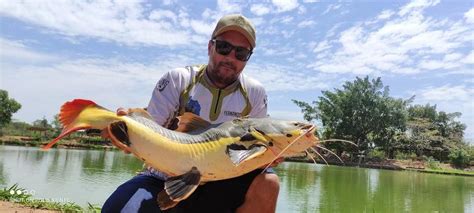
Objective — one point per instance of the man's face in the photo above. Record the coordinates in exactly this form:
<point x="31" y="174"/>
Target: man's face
<point x="223" y="70"/>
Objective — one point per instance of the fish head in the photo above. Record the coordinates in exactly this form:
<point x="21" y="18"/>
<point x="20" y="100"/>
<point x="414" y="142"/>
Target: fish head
<point x="292" y="137"/>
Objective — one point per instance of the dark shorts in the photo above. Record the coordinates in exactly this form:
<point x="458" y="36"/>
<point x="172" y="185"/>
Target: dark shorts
<point x="139" y="195"/>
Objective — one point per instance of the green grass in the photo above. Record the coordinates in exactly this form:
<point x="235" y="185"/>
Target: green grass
<point x="450" y="172"/>
<point x="17" y="195"/>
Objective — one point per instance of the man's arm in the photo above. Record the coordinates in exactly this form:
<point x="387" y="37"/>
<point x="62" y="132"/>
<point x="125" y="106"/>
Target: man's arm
<point x="164" y="102"/>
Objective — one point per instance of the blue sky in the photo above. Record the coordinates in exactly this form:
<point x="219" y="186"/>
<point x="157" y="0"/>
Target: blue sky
<point x="114" y="52"/>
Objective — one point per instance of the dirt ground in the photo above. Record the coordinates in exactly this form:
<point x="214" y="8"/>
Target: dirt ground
<point x="13" y="207"/>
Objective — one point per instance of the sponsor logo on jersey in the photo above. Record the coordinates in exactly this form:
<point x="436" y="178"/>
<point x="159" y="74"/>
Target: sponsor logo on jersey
<point x="193" y="106"/>
<point x="162" y="84"/>
<point x="234" y="114"/>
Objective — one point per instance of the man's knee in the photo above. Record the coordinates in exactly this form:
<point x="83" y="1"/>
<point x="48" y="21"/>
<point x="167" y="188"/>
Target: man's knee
<point x="268" y="182"/>
<point x="262" y="194"/>
<point x="266" y="186"/>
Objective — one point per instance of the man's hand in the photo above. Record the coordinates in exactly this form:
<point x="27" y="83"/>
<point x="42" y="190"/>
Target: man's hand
<point x="105" y="133"/>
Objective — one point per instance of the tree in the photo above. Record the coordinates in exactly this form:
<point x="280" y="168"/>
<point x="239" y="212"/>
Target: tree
<point x="362" y="112"/>
<point x="433" y="133"/>
<point x="8" y="106"/>
<point x="42" y="123"/>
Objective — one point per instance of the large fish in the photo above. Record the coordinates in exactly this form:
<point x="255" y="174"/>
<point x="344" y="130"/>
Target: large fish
<point x="204" y="153"/>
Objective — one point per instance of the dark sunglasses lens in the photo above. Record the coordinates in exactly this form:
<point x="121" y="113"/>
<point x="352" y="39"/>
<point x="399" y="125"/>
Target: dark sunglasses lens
<point x="242" y="53"/>
<point x="223" y="47"/>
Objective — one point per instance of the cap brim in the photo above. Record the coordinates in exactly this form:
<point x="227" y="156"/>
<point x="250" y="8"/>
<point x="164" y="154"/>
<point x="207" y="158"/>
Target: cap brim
<point x="238" y="29"/>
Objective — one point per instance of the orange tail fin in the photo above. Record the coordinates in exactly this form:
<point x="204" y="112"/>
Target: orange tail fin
<point x="68" y="114"/>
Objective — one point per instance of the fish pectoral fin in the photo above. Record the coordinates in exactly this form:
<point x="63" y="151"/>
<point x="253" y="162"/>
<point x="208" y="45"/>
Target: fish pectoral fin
<point x="259" y="135"/>
<point x="238" y="155"/>
<point x="190" y="122"/>
<point x="178" y="188"/>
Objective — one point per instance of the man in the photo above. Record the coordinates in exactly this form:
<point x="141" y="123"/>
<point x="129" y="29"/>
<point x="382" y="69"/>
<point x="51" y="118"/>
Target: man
<point x="217" y="92"/>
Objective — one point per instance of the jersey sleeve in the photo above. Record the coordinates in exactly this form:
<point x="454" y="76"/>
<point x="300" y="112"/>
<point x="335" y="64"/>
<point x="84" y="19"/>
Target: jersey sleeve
<point x="164" y="102"/>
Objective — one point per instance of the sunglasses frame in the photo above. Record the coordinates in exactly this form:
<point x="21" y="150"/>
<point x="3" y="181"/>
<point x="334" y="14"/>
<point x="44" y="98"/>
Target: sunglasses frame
<point x="232" y="47"/>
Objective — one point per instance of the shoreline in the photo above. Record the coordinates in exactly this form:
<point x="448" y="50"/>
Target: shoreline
<point x="69" y="144"/>
<point x="392" y="164"/>
<point x="9" y="206"/>
<point x="387" y="164"/>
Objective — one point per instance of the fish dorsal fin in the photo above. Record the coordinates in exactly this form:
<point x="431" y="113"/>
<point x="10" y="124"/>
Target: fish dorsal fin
<point x="71" y="109"/>
<point x="190" y="122"/>
<point x="239" y="154"/>
<point x="178" y="188"/>
<point x="139" y="112"/>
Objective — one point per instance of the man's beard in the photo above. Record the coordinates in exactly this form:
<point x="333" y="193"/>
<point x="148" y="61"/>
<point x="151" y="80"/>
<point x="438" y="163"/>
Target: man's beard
<point x="221" y="76"/>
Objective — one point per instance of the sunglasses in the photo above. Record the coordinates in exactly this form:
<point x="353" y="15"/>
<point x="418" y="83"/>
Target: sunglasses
<point x="224" y="48"/>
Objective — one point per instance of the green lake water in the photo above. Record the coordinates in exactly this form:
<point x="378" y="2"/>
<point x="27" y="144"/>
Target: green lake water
<point x="84" y="176"/>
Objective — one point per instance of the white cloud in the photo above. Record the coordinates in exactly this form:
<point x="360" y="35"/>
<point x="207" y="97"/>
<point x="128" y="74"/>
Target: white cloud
<point x="306" y="23"/>
<point x="125" y="22"/>
<point x="113" y="83"/>
<point x="324" y="45"/>
<point x="169" y="2"/>
<point x="385" y="14"/>
<point x="259" y="9"/>
<point x="203" y="28"/>
<point x="227" y="6"/>
<point x="469" y="15"/>
<point x="469" y="59"/>
<point x="283" y="78"/>
<point x="417" y="6"/>
<point x="285" y="5"/>
<point x="163" y="14"/>
<point x="286" y="19"/>
<point x="17" y="52"/>
<point x="331" y="7"/>
<point x="448" y="93"/>
<point x="409" y="44"/>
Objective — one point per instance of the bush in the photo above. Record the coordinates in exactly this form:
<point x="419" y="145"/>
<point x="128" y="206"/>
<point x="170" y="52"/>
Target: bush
<point x="460" y="158"/>
<point x="377" y="155"/>
<point x="432" y="163"/>
<point x="405" y="156"/>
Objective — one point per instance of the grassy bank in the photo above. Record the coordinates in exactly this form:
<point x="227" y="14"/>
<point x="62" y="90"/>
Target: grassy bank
<point x="392" y="164"/>
<point x="73" y="143"/>
<point x="15" y="194"/>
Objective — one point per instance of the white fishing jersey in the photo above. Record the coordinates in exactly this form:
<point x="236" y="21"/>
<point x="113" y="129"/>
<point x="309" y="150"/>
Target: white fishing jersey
<point x="189" y="89"/>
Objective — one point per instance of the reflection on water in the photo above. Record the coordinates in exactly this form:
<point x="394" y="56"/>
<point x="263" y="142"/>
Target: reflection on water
<point x="66" y="175"/>
<point x="317" y="188"/>
<point x="90" y="176"/>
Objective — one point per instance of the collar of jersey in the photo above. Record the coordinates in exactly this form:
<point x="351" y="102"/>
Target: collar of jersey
<point x="206" y="81"/>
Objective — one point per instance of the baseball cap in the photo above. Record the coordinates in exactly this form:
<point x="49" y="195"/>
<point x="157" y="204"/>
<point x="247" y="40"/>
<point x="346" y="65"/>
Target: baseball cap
<point x="237" y="23"/>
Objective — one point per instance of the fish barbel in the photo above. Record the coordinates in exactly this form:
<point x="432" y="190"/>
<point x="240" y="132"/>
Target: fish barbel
<point x="204" y="153"/>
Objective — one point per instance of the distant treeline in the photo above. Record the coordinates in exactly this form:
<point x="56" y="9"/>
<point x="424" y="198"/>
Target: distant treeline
<point x="383" y="127"/>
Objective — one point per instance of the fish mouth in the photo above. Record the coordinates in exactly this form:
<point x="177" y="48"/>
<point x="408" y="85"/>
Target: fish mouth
<point x="310" y="129"/>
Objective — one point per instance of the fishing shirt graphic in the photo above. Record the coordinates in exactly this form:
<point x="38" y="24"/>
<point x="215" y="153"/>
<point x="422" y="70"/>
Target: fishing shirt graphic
<point x="162" y="84"/>
<point x="193" y="106"/>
